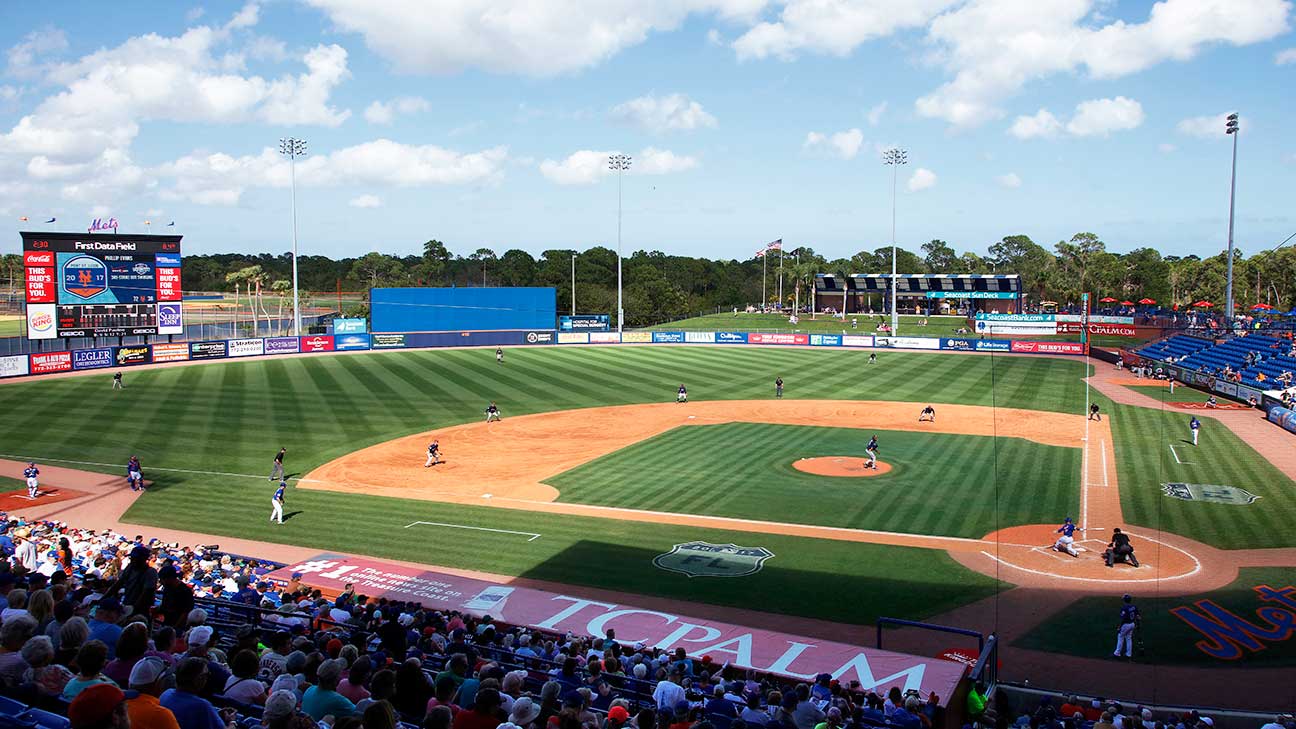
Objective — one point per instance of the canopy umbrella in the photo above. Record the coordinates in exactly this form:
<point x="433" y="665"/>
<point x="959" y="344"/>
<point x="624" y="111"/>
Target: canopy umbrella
<point x="1261" y="307"/>
<point x="1106" y="300"/>
<point x="1203" y="304"/>
<point x="1146" y="301"/>
<point x="1127" y="303"/>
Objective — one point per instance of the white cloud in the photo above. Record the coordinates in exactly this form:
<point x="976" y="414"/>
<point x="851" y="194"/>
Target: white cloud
<point x="1010" y="181"/>
<point x="659" y="114"/>
<point x="193" y="14"/>
<point x="366" y="201"/>
<point x="874" y="114"/>
<point x="1041" y="124"/>
<point x="1286" y="56"/>
<point x="1096" y="117"/>
<point x="1104" y="116"/>
<point x="221" y="179"/>
<point x="385" y="112"/>
<point x="922" y="179"/>
<point x="246" y="17"/>
<point x="24" y="58"/>
<point x="100" y="211"/>
<point x="836" y="27"/>
<point x="714" y="38"/>
<point x="1166" y="148"/>
<point x="514" y="36"/>
<point x="994" y="47"/>
<point x="1207" y="127"/>
<point x="589" y="166"/>
<point x="844" y="144"/>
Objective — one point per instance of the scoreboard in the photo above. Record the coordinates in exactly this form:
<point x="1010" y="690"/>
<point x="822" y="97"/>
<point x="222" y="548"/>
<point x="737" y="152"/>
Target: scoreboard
<point x="97" y="285"/>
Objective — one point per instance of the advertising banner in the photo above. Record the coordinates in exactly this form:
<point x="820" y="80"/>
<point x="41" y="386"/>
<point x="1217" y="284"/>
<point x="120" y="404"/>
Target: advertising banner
<point x="349" y="326"/>
<point x="127" y="356"/>
<point x="51" y="362"/>
<point x="1094" y="319"/>
<point x="176" y="352"/>
<point x="15" y="366"/>
<point x="1246" y="393"/>
<point x="584" y="323"/>
<point x="169" y="319"/>
<point x="282" y="345"/>
<point x="1024" y="328"/>
<point x="1048" y="347"/>
<point x="907" y="342"/>
<point x="92" y="359"/>
<point x="857" y="340"/>
<point x="759" y="338"/>
<point x="317" y="343"/>
<point x="377" y="341"/>
<point x="1117" y="330"/>
<point x="246" y="347"/>
<point x="700" y="337"/>
<point x="993" y="345"/>
<point x="576" y="337"/>
<point x="604" y="338"/>
<point x="971" y="295"/>
<point x="667" y="337"/>
<point x="168" y="279"/>
<point x="539" y="338"/>
<point x="40" y="321"/>
<point x="964" y="345"/>
<point x="350" y="341"/>
<point x="635" y="337"/>
<point x="40" y="280"/>
<point x="731" y="337"/>
<point x="825" y="340"/>
<point x="208" y="350"/>
<point x="1282" y="417"/>
<point x="1225" y="387"/>
<point x="1018" y="318"/>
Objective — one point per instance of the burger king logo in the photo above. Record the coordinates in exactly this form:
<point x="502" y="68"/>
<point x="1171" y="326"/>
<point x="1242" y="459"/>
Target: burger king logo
<point x="41" y="322"/>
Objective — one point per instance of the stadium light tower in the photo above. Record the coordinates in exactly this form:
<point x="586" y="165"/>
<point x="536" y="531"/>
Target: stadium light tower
<point x="894" y="157"/>
<point x="292" y="148"/>
<point x="619" y="163"/>
<point x="1231" y="128"/>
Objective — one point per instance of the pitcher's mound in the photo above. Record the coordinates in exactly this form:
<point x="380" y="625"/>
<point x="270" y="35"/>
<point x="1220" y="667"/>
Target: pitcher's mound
<point x="839" y="466"/>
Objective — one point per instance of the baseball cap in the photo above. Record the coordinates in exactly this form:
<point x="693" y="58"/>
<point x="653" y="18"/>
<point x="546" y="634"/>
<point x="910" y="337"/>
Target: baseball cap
<point x="281" y="703"/>
<point x="147" y="670"/>
<point x="110" y="604"/>
<point x="168" y="571"/>
<point x="94" y="705"/>
<point x="200" y="635"/>
<point x="284" y="682"/>
<point x="619" y="713"/>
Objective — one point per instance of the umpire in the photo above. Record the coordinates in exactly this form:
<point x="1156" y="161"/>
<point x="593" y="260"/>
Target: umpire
<point x="1119" y="549"/>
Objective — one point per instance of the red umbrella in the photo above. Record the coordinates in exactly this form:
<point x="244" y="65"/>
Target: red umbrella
<point x="1127" y="303"/>
<point x="1106" y="300"/>
<point x="1262" y="306"/>
<point x="1203" y="304"/>
<point x="1147" y="301"/>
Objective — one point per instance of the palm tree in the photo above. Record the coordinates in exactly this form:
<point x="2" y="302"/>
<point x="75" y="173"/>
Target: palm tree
<point x="281" y="289"/>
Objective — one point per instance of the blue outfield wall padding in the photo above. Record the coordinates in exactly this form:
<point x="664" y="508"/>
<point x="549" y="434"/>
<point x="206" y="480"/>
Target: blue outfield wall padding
<point x="462" y="309"/>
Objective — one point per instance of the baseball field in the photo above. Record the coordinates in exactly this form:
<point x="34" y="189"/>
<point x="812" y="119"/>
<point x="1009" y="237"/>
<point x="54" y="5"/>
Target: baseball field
<point x="595" y="459"/>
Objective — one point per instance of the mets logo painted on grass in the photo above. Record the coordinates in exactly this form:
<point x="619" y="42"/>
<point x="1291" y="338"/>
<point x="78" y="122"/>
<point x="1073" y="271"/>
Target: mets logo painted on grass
<point x="1211" y="493"/>
<point x="703" y="559"/>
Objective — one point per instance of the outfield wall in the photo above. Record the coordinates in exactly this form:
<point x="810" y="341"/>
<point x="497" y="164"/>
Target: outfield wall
<point x="454" y="310"/>
<point x="43" y="363"/>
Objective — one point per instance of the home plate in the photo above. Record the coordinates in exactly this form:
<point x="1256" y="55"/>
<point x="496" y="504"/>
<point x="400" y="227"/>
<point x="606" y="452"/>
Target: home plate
<point x="486" y="496"/>
<point x="691" y="417"/>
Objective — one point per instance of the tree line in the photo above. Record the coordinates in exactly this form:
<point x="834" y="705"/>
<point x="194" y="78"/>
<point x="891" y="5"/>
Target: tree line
<point x="660" y="287"/>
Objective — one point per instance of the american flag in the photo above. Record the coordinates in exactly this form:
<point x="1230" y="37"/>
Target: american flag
<point x="775" y="246"/>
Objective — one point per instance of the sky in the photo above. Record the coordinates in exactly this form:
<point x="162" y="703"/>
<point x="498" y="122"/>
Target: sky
<point x="488" y="123"/>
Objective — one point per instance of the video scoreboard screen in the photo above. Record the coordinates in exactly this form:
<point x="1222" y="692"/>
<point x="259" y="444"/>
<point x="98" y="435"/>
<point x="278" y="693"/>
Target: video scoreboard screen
<point x="94" y="285"/>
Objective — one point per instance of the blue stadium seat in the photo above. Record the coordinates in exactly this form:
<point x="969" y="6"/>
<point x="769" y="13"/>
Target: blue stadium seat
<point x="48" y="720"/>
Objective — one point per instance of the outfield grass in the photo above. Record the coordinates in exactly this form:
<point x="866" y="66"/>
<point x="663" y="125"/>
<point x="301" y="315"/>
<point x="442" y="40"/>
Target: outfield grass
<point x="949" y="485"/>
<point x="1166" y="638"/>
<point x="12" y="484"/>
<point x="12" y="326"/>
<point x="1162" y="393"/>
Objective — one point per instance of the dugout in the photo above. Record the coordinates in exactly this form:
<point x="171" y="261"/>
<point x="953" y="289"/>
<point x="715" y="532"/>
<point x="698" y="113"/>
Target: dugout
<point x="462" y="309"/>
<point x="919" y="293"/>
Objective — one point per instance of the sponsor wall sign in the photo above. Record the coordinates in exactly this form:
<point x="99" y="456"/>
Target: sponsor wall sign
<point x="759" y="338"/>
<point x="351" y="341"/>
<point x="584" y="323"/>
<point x="539" y="337"/>
<point x="1048" y="347"/>
<point x="93" y="359"/>
<point x="133" y="355"/>
<point x="908" y="342"/>
<point x="51" y="362"/>
<point x="825" y="340"/>
<point x="169" y="319"/>
<point x="731" y="337"/>
<point x="246" y="347"/>
<point x="208" y="350"/>
<point x="40" y="321"/>
<point x="1095" y="319"/>
<point x="577" y="337"/>
<point x="1019" y="318"/>
<point x="14" y="366"/>
<point x="634" y="337"/>
<point x="699" y="337"/>
<point x="971" y="295"/>
<point x="992" y="345"/>
<point x="604" y="338"/>
<point x="283" y="345"/>
<point x="177" y="352"/>
<point x="317" y="343"/>
<point x="857" y="340"/>
<point x="964" y="345"/>
<point x="1116" y="330"/>
<point x="385" y="341"/>
<point x="668" y="337"/>
<point x="349" y="326"/>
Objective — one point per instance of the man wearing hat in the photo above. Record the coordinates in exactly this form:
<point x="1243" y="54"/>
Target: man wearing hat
<point x="146" y="679"/>
<point x="191" y="710"/>
<point x="103" y="626"/>
<point x="199" y="641"/>
<point x="102" y="706"/>
<point x="138" y="582"/>
<point x="280" y="709"/>
<point x="177" y="597"/>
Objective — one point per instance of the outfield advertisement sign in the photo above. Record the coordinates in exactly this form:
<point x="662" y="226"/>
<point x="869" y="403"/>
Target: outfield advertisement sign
<point x="759" y="338"/>
<point x="177" y="352"/>
<point x="1095" y="319"/>
<point x="208" y="350"/>
<point x="907" y="342"/>
<point x="668" y="337"/>
<point x="536" y="338"/>
<point x="576" y="337"/>
<point x="745" y="648"/>
<point x="15" y="366"/>
<point x="993" y="345"/>
<point x="731" y="337"/>
<point x="282" y="345"/>
<point x="1114" y="330"/>
<point x="825" y="340"/>
<point x="138" y="355"/>
<point x="349" y="326"/>
<point x="1048" y="347"/>
<point x="1026" y="324"/>
<point x="961" y="345"/>
<point x="857" y="340"/>
<point x="1225" y="387"/>
<point x="584" y="323"/>
<point x="317" y="343"/>
<point x="344" y="342"/>
<point x="47" y="362"/>
<point x="246" y="347"/>
<point x="635" y="337"/>
<point x="94" y="359"/>
<point x="700" y="337"/>
<point x="387" y="341"/>
<point x="604" y="338"/>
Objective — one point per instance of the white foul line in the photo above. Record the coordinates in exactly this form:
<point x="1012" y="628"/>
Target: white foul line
<point x="1102" y="449"/>
<point x="1176" y="457"/>
<point x="533" y="535"/>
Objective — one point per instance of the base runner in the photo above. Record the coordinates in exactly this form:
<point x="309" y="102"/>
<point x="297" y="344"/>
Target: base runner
<point x="277" y="502"/>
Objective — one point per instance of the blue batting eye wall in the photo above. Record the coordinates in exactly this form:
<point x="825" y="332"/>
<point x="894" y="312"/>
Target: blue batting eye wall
<point x="462" y="309"/>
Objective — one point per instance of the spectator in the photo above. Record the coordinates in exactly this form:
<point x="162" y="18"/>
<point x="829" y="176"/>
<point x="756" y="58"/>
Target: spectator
<point x="100" y="707"/>
<point x="131" y="646"/>
<point x="806" y="715"/>
<point x="669" y="692"/>
<point x="137" y="583"/>
<point x="484" y="714"/>
<point x="976" y="703"/>
<point x="199" y="646"/>
<point x="146" y="679"/>
<point x="412" y="689"/>
<point x="752" y="714"/>
<point x="525" y="712"/>
<point x="177" y="598"/>
<point x="47" y="677"/>
<point x="719" y="706"/>
<point x="90" y="661"/>
<point x="63" y="610"/>
<point x="382" y="687"/>
<point x="103" y="624"/>
<point x="74" y="633"/>
<point x="353" y="686"/>
<point x="438" y="718"/>
<point x="244" y="685"/>
<point x="832" y="719"/>
<point x="14" y="633"/>
<point x="280" y="710"/>
<point x="17" y="605"/>
<point x="40" y="604"/>
<point x="190" y="709"/>
<point x="380" y="715"/>
<point x="322" y="699"/>
<point x="275" y="660"/>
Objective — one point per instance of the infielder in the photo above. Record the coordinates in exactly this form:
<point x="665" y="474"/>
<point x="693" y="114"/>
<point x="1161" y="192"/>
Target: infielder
<point x="277" y="502"/>
<point x="778" y="387"/>
<point x="499" y="355"/>
<point x="32" y="473"/>
<point x="277" y="471"/>
<point x="1194" y="425"/>
<point x="1066" y="542"/>
<point x="492" y="412"/>
<point x="681" y="395"/>
<point x="134" y="477"/>
<point x="928" y="414"/>
<point x="1129" y="620"/>
<point x="434" y="454"/>
<point x="871" y="449"/>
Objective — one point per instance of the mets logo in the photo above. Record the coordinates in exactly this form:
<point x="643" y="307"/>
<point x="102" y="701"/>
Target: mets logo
<point x="1211" y="493"/>
<point x="703" y="559"/>
<point x="85" y="277"/>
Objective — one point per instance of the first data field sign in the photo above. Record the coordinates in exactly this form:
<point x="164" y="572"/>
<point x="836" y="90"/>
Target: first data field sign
<point x="703" y="559"/>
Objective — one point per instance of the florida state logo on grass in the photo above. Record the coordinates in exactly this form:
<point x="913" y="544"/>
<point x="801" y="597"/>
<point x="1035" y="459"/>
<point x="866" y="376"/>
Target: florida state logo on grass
<point x="703" y="559"/>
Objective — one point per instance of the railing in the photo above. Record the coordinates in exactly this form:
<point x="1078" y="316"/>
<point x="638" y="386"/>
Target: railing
<point x="901" y="623"/>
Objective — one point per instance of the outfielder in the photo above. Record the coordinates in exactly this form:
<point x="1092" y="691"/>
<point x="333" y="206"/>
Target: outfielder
<point x="871" y="449"/>
<point x="499" y="355"/>
<point x="277" y="502"/>
<point x="492" y="412"/>
<point x="778" y="387"/>
<point x="682" y="394"/>
<point x="1194" y="425"/>
<point x="928" y="414"/>
<point x="32" y="474"/>
<point x="1066" y="542"/>
<point x="434" y="454"/>
<point x="872" y="358"/>
<point x="277" y="471"/>
<point x="117" y="381"/>
<point x="134" y="477"/>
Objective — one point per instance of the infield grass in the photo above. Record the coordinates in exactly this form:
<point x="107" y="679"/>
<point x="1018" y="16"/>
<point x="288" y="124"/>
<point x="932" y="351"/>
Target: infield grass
<point x="942" y="484"/>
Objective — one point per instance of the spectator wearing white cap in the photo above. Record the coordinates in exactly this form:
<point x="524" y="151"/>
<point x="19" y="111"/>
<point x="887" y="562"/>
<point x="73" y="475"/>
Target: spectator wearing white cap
<point x="199" y="640"/>
<point x="147" y="679"/>
<point x="280" y="709"/>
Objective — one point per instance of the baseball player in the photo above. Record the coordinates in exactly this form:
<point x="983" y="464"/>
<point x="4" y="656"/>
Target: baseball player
<point x="1093" y="412"/>
<point x="1129" y="621"/>
<point x="871" y="449"/>
<point x="681" y="395"/>
<point x="1211" y="402"/>
<point x="277" y="471"/>
<point x="134" y="477"/>
<point x="928" y="414"/>
<point x="778" y="387"/>
<point x="277" y="502"/>
<point x="1194" y="425"/>
<point x="872" y="358"/>
<point x="117" y="382"/>
<point x="1066" y="542"/>
<point x="32" y="473"/>
<point x="492" y="412"/>
<point x="434" y="454"/>
<point x="499" y="355"/>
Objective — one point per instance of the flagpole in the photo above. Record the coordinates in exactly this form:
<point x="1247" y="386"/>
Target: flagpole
<point x="764" y="299"/>
<point x="780" y="286"/>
